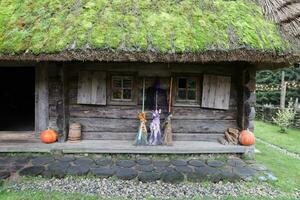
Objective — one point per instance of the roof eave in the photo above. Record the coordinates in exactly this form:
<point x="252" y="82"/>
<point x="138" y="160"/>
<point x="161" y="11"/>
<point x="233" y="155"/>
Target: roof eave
<point x="262" y="60"/>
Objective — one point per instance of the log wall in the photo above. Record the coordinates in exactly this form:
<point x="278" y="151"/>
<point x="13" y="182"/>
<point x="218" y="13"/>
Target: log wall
<point x="120" y="122"/>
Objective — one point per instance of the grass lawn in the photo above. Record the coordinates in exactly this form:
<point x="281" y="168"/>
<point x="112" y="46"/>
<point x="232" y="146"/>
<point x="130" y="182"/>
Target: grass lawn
<point x="38" y="195"/>
<point x="285" y="168"/>
<point x="270" y="133"/>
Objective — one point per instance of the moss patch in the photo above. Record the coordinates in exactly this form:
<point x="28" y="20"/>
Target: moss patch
<point x="49" y="26"/>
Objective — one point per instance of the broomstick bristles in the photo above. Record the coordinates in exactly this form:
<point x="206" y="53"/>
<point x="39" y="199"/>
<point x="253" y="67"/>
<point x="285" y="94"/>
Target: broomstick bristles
<point x="168" y="135"/>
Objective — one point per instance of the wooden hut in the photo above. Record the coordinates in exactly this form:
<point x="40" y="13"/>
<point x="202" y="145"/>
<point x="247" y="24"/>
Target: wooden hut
<point x="84" y="61"/>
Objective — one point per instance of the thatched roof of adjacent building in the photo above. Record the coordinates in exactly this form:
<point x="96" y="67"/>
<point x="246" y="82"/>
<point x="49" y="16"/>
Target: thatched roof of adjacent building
<point x="257" y="31"/>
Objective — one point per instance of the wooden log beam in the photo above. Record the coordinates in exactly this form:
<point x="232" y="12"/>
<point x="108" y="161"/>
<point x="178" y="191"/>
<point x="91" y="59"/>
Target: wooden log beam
<point x="249" y="98"/>
<point x="131" y="135"/>
<point x="59" y="100"/>
<point x="62" y="106"/>
<point x="41" y="98"/>
<point x="131" y="125"/>
<point x="130" y="112"/>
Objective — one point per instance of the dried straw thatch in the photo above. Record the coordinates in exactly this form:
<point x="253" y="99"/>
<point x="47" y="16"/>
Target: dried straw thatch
<point x="284" y="12"/>
<point x="151" y="30"/>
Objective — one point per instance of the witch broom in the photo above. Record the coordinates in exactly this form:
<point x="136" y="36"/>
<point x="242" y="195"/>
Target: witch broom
<point x="141" y="137"/>
<point x="155" y="131"/>
<point x="168" y="135"/>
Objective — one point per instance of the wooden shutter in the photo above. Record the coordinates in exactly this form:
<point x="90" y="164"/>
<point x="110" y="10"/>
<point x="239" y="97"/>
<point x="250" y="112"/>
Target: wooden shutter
<point x="92" y="88"/>
<point x="216" y="92"/>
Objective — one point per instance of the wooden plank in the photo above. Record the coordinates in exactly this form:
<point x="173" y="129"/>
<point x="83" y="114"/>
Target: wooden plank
<point x="196" y="126"/>
<point x="98" y="91"/>
<point x="84" y="87"/>
<point x="17" y="136"/>
<point x="131" y="136"/>
<point x="222" y="101"/>
<point x="118" y="146"/>
<point x="202" y="113"/>
<point x="131" y="125"/>
<point x="130" y="112"/>
<point x="112" y="112"/>
<point x="216" y="92"/>
<point x="91" y="88"/>
<point x="41" y="98"/>
<point x="107" y="125"/>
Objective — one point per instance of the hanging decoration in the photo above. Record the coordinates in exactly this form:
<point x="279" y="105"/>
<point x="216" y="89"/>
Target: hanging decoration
<point x="155" y="135"/>
<point x="142" y="135"/>
<point x="168" y="135"/>
<point x="277" y="87"/>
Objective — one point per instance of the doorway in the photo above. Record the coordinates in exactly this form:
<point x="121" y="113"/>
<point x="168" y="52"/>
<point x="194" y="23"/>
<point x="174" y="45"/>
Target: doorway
<point x="17" y="98"/>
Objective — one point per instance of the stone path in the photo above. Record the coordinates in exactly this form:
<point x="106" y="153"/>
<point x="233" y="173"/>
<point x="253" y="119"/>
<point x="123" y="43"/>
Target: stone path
<point x="285" y="151"/>
<point x="143" y="169"/>
<point x="135" y="190"/>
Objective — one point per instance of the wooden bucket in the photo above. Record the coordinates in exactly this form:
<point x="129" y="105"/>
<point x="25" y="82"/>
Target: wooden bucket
<point x="75" y="132"/>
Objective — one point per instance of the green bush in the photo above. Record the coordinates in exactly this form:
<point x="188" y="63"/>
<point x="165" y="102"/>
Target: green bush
<point x="284" y="117"/>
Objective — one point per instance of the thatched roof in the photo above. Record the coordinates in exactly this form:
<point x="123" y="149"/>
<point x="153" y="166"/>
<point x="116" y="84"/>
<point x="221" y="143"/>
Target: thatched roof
<point x="286" y="13"/>
<point x="263" y="31"/>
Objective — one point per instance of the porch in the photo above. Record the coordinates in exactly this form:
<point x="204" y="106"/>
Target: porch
<point x="27" y="143"/>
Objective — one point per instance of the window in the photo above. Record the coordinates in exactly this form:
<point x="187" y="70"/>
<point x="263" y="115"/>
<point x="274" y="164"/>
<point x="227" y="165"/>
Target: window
<point x="187" y="91"/>
<point x="122" y="88"/>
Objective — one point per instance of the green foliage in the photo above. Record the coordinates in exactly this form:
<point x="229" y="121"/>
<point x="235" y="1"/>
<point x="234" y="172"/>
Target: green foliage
<point x="49" y="26"/>
<point x="270" y="77"/>
<point x="284" y="117"/>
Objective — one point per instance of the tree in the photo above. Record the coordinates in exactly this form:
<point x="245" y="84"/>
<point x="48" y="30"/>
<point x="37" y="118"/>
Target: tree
<point x="273" y="77"/>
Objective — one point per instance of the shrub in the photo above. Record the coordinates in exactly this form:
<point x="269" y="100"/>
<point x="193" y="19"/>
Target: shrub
<point x="284" y="117"/>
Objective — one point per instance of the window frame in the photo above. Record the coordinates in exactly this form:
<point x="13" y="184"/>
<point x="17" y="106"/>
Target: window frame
<point x="111" y="100"/>
<point x="186" y="102"/>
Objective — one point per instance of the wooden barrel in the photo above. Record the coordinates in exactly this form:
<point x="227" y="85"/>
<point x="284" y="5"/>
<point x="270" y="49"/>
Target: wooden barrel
<point x="74" y="132"/>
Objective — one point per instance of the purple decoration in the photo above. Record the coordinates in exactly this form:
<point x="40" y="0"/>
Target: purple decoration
<point x="155" y="132"/>
<point x="157" y="85"/>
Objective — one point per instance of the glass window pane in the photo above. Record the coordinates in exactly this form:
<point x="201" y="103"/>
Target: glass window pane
<point x="117" y="82"/>
<point x="191" y="83"/>
<point x="127" y="94"/>
<point x="182" y="94"/>
<point x="127" y="83"/>
<point x="191" y="95"/>
<point x="117" y="94"/>
<point x="182" y="83"/>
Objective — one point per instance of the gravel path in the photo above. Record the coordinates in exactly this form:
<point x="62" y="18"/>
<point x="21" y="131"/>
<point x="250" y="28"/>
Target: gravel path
<point x="136" y="190"/>
<point x="285" y="151"/>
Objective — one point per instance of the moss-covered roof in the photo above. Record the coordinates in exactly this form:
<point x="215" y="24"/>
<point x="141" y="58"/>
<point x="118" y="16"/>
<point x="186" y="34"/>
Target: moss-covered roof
<point x="121" y="29"/>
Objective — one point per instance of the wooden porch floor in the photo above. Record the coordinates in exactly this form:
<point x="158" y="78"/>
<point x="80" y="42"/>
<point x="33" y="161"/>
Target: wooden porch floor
<point x="121" y="146"/>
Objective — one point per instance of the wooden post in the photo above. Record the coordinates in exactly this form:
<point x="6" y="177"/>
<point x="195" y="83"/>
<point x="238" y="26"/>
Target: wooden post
<point x="62" y="107"/>
<point x="296" y="104"/>
<point x="283" y="91"/>
<point x="247" y="100"/>
<point x="41" y="98"/>
<point x="250" y="102"/>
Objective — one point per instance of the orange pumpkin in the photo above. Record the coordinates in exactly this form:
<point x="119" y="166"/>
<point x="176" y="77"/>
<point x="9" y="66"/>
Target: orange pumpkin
<point x="48" y="136"/>
<point x="247" y="138"/>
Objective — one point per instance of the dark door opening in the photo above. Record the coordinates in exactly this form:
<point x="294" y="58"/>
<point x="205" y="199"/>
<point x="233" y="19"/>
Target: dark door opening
<point x="17" y="98"/>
